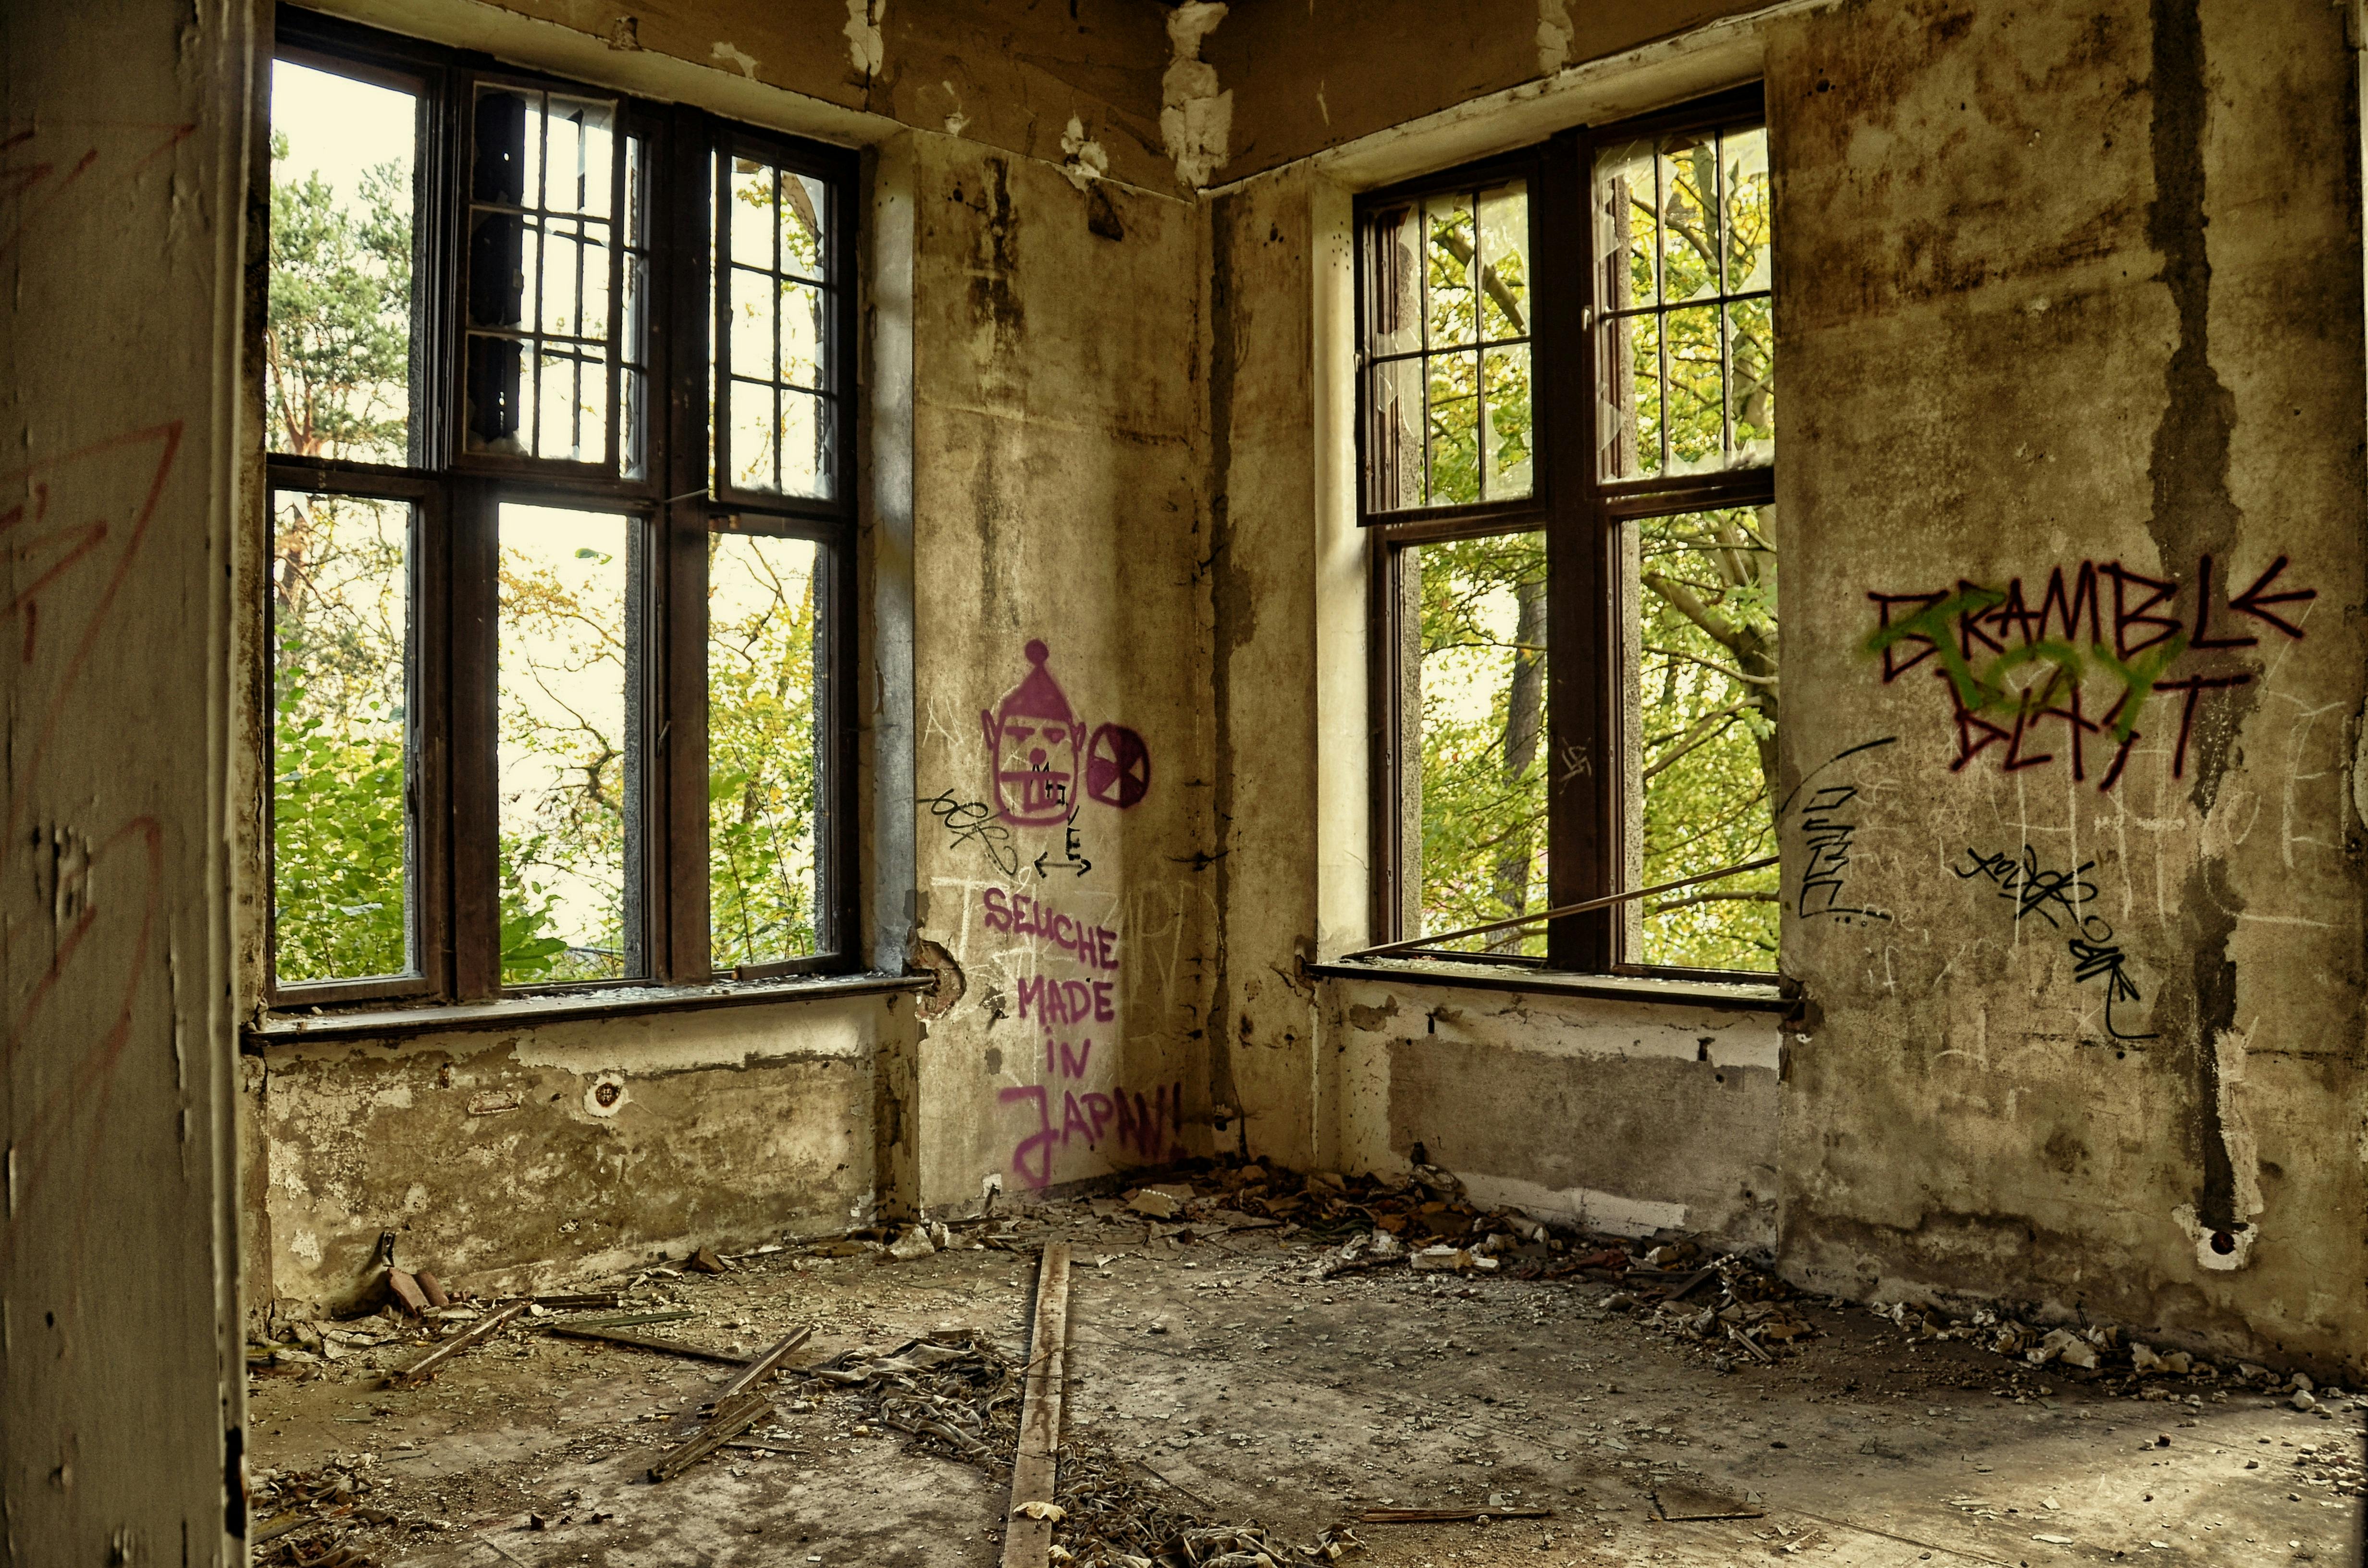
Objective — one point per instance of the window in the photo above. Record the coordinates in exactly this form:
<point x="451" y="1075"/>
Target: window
<point x="560" y="533"/>
<point x="1566" y="431"/>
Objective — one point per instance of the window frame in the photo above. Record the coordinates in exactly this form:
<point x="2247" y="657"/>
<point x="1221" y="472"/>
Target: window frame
<point x="1583" y="517"/>
<point x="457" y="494"/>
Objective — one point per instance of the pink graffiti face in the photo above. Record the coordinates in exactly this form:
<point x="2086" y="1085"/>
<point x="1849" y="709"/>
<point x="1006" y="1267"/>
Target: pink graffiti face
<point x="1036" y="741"/>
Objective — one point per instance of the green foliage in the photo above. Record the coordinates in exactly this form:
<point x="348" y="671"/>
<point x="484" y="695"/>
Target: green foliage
<point x="1483" y="784"/>
<point x="337" y="362"/>
<point x="760" y="749"/>
<point x="1704" y="748"/>
<point x="565" y="837"/>
<point x="1477" y="399"/>
<point x="337" y="847"/>
<point x="1707" y="697"/>
<point x="338" y="328"/>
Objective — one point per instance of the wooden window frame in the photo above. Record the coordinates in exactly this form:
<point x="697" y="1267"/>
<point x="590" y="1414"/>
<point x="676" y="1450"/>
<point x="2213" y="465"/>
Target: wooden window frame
<point x="456" y="497"/>
<point x="1582" y="516"/>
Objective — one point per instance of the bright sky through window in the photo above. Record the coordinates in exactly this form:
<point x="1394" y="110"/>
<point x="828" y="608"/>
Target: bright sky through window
<point x="337" y="127"/>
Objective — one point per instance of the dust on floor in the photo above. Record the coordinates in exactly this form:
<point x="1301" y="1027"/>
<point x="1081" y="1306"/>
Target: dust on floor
<point x="1226" y="1373"/>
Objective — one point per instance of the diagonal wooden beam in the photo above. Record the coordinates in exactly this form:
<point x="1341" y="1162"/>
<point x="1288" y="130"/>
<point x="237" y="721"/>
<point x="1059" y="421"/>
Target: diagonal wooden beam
<point x="484" y="1328"/>
<point x="1028" y="1543"/>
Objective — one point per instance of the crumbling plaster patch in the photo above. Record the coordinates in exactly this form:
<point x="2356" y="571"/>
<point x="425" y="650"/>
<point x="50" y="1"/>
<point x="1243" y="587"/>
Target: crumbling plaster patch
<point x="1196" y="117"/>
<point x="1082" y="158"/>
<point x="866" y="49"/>
<point x="745" y="62"/>
<point x="1553" y="36"/>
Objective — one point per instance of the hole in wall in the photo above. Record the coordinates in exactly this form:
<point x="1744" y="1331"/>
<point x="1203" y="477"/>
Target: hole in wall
<point x="2222" y="1243"/>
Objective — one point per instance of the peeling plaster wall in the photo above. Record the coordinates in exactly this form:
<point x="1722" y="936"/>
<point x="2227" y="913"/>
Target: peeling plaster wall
<point x="2058" y="287"/>
<point x="1062" y="719"/>
<point x="1005" y="75"/>
<point x="1627" y="1117"/>
<point x="523" y="1157"/>
<point x="121" y="1393"/>
<point x="1033" y="457"/>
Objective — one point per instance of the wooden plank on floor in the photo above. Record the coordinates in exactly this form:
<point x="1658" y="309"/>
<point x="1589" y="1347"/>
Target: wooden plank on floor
<point x="484" y="1328"/>
<point x="763" y="1366"/>
<point x="649" y="1342"/>
<point x="1028" y="1543"/>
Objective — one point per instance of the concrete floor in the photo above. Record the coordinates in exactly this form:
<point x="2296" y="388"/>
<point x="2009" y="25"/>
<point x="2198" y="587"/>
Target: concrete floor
<point x="1236" y="1375"/>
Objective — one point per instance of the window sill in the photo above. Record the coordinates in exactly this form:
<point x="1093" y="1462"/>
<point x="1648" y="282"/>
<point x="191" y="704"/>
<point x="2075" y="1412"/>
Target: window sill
<point x="1725" y="995"/>
<point x="525" y="1012"/>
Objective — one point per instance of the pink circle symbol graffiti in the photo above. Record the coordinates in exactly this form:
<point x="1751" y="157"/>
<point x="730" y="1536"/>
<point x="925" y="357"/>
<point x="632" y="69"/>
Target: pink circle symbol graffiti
<point x="1118" y="767"/>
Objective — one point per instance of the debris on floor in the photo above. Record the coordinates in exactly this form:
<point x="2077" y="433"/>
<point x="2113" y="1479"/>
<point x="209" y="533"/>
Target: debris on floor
<point x="1254" y="1370"/>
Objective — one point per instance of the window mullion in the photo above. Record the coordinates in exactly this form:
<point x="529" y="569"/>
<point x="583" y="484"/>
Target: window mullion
<point x="1585" y="848"/>
<point x="472" y="711"/>
<point x="681" y="234"/>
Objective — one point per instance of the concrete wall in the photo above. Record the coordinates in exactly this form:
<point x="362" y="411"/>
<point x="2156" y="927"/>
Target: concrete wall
<point x="520" y="1156"/>
<point x="1034" y="363"/>
<point x="2058" y="288"/>
<point x="1058" y="530"/>
<point x="120" y="233"/>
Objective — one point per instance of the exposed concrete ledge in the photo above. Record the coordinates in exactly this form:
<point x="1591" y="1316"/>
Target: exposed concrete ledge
<point x="525" y="1012"/>
<point x="1741" y="998"/>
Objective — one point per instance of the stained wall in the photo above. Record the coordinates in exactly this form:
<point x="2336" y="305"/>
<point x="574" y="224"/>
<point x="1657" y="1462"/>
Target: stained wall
<point x="2064" y="296"/>
<point x="121" y="225"/>
<point x="1035" y="829"/>
<point x="2079" y="292"/>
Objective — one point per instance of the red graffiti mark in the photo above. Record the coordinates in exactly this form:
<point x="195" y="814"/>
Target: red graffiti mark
<point x="168" y="439"/>
<point x="18" y="179"/>
<point x="1067" y="1001"/>
<point x="82" y="1079"/>
<point x="1038" y="755"/>
<point x="1118" y="767"/>
<point x="1063" y="1062"/>
<point x="1023" y="917"/>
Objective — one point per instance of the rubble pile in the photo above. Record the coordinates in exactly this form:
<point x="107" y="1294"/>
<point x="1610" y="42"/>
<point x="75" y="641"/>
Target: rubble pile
<point x="960" y="1400"/>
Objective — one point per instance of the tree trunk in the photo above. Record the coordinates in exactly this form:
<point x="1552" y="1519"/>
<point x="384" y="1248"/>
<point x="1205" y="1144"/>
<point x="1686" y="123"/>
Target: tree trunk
<point x="1524" y="719"/>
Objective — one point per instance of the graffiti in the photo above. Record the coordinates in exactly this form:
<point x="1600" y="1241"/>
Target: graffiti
<point x="1023" y="917"/>
<point x="1037" y="751"/>
<point x="1072" y="857"/>
<point x="972" y="822"/>
<point x="1828" y="835"/>
<point x="1066" y="1001"/>
<point x="1150" y="1128"/>
<point x="95" y="977"/>
<point x="1033" y="738"/>
<point x="2009" y="669"/>
<point x="2056" y="897"/>
<point x="1118" y="767"/>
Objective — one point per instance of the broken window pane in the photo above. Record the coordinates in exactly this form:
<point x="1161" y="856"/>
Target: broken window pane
<point x="1688" y="350"/>
<point x="764" y="748"/>
<point x="342" y="832"/>
<point x="1703" y="705"/>
<point x="1473" y="708"/>
<point x="1450" y="309"/>
<point x="633" y="354"/>
<point x="774" y="351"/>
<point x="340" y="362"/>
<point x="569" y="768"/>
<point x="542" y="266"/>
